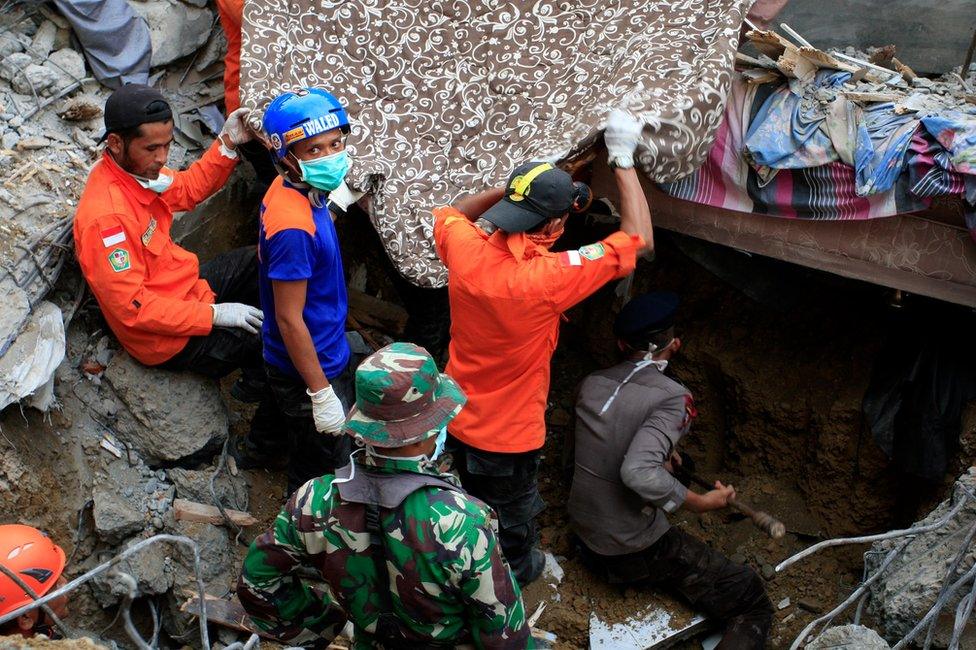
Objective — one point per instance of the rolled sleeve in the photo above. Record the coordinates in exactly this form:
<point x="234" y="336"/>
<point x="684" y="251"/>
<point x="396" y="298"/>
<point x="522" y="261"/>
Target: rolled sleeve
<point x="448" y="224"/>
<point x="577" y="274"/>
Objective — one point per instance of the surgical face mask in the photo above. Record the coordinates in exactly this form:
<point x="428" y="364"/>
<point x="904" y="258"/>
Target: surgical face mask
<point x="648" y="358"/>
<point x="439" y="444"/>
<point x="327" y="172"/>
<point x="158" y="185"/>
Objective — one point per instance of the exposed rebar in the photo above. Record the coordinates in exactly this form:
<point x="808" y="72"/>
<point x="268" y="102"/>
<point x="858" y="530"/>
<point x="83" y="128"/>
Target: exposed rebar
<point x="950" y="574"/>
<point x="132" y="592"/>
<point x="856" y="594"/>
<point x="867" y="539"/>
<point x="936" y="608"/>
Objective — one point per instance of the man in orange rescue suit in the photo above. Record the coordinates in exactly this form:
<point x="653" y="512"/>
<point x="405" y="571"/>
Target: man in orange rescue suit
<point x="163" y="306"/>
<point x="507" y="294"/>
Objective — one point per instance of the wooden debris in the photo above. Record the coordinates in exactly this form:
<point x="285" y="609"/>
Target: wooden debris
<point x="228" y="613"/>
<point x="191" y="511"/>
<point x="792" y="64"/>
<point x="374" y="312"/>
<point x="907" y="73"/>
<point x="765" y="62"/>
<point x="822" y="59"/>
<point x="756" y="76"/>
<point x="108" y="446"/>
<point x="869" y="98"/>
<point x="769" y="43"/>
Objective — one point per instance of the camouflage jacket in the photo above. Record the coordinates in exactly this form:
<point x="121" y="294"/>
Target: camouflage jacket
<point x="448" y="582"/>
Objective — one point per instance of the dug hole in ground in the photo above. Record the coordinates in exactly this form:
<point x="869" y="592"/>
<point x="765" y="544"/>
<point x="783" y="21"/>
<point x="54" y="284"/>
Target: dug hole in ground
<point x="778" y="359"/>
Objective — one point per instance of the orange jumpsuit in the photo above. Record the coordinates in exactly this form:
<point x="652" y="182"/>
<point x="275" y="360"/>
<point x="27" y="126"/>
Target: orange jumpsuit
<point x="148" y="288"/>
<point x="507" y="295"/>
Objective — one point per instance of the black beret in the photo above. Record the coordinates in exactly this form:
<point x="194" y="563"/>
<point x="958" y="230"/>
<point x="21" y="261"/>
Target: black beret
<point x="647" y="313"/>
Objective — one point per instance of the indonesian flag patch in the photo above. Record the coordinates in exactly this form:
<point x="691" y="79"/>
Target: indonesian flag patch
<point x="571" y="258"/>
<point x="112" y="236"/>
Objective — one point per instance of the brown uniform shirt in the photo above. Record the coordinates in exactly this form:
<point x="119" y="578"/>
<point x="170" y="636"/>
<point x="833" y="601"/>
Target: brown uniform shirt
<point x="620" y="458"/>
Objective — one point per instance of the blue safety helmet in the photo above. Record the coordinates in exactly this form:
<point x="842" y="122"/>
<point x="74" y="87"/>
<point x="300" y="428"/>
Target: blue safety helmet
<point x="302" y="114"/>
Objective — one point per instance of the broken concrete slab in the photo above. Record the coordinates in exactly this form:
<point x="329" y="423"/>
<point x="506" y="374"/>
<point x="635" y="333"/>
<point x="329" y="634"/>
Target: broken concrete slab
<point x="12" y="64"/>
<point x="43" y="41"/>
<point x="910" y="586"/>
<point x="152" y="568"/>
<point x="68" y="65"/>
<point x="34" y="79"/>
<point x="194" y="485"/>
<point x="175" y="29"/>
<point x="120" y="502"/>
<point x="166" y="416"/>
<point x="849" y="637"/>
<point x="11" y="43"/>
<point x="219" y="562"/>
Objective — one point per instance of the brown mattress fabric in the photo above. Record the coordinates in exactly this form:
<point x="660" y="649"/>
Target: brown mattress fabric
<point x="447" y="97"/>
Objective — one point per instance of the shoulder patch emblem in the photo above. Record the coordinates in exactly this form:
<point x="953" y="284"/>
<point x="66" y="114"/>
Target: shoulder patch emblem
<point x="150" y="231"/>
<point x="593" y="251"/>
<point x="119" y="259"/>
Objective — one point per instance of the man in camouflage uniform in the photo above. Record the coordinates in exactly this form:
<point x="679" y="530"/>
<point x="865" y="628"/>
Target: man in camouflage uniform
<point x="402" y="551"/>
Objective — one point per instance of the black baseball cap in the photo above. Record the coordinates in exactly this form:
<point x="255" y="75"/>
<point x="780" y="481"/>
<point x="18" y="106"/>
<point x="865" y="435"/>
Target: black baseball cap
<point x="536" y="192"/>
<point x="132" y="105"/>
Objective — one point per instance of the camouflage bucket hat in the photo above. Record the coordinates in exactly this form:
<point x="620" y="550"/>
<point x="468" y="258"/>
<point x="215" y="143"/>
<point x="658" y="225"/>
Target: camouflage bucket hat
<point x="401" y="397"/>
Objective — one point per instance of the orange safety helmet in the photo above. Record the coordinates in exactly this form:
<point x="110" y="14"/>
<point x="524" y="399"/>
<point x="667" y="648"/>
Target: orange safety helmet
<point x="32" y="555"/>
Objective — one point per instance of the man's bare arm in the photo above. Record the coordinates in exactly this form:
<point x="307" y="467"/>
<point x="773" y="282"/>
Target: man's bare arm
<point x="289" y="300"/>
<point x="635" y="213"/>
<point x="475" y="205"/>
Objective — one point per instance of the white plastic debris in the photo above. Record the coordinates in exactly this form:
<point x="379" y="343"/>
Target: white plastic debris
<point x="27" y="368"/>
<point x="650" y="629"/>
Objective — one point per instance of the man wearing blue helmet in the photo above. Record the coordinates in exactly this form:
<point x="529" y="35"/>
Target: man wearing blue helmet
<point x="302" y="285"/>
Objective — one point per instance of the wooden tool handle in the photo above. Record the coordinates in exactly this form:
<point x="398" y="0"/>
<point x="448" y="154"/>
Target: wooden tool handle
<point x="763" y="520"/>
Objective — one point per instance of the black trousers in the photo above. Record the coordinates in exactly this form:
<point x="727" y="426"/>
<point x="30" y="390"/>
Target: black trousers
<point x="310" y="453"/>
<point x="729" y="593"/>
<point x="509" y="484"/>
<point x="233" y="276"/>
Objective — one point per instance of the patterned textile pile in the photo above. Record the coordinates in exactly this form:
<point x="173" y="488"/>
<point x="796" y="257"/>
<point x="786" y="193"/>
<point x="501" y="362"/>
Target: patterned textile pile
<point x="447" y="97"/>
<point x="824" y="146"/>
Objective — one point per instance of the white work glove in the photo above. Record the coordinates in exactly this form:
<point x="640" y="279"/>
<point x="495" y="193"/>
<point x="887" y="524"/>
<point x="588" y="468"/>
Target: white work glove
<point x="621" y="136"/>
<point x="235" y="128"/>
<point x="342" y="197"/>
<point x="235" y="314"/>
<point x="327" y="411"/>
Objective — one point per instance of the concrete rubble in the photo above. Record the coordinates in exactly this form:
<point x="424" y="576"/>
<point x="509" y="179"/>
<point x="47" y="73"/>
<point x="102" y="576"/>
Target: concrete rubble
<point x="166" y="416"/>
<point x="849" y="637"/>
<point x="129" y="440"/>
<point x="50" y="121"/>
<point x="911" y="585"/>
